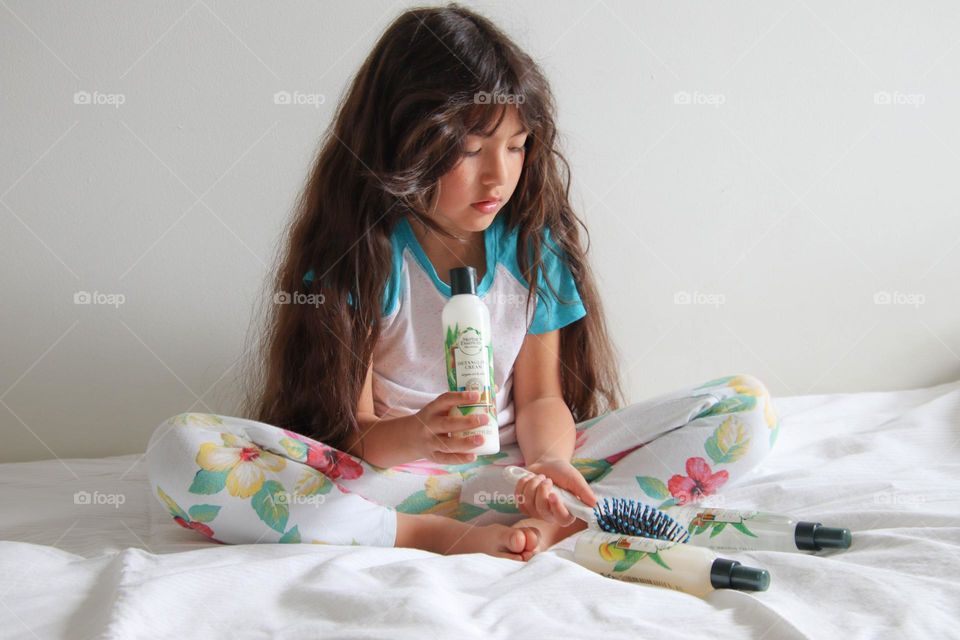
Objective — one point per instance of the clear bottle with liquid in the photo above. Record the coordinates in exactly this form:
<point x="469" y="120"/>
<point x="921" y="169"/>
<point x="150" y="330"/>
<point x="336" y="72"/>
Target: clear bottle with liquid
<point x="750" y="530"/>
<point x="468" y="355"/>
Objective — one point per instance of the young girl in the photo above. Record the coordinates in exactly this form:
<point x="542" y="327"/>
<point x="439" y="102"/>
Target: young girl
<point x="443" y="153"/>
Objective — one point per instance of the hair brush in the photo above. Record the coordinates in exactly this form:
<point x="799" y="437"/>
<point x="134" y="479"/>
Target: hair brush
<point x="617" y="515"/>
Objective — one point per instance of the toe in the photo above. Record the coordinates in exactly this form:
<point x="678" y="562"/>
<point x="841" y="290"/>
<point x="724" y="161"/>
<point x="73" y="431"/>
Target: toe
<point x="532" y="538"/>
<point x="516" y="540"/>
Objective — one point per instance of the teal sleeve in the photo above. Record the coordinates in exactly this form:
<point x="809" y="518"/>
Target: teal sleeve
<point x="391" y="293"/>
<point x="555" y="312"/>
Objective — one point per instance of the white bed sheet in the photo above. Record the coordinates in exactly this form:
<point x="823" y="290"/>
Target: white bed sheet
<point x="883" y="464"/>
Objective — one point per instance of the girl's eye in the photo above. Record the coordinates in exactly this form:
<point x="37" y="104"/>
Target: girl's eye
<point x="470" y="154"/>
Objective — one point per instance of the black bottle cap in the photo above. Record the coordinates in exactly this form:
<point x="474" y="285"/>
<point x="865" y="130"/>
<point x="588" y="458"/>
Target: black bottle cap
<point x="463" y="280"/>
<point x="812" y="536"/>
<point x="730" y="574"/>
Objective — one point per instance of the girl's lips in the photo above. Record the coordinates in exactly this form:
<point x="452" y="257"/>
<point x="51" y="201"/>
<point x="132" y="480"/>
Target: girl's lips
<point x="486" y="206"/>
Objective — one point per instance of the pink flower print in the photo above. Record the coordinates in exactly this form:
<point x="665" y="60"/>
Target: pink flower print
<point x="700" y="481"/>
<point x="329" y="461"/>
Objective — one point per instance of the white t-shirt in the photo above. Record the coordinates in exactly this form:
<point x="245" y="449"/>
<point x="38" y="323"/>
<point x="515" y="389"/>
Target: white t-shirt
<point x="408" y="360"/>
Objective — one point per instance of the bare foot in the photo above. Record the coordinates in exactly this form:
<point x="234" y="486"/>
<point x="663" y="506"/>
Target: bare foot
<point x="447" y="536"/>
<point x="550" y="533"/>
<point x="516" y="543"/>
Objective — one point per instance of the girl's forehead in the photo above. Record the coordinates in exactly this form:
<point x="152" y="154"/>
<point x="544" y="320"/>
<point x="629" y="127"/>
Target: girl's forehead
<point x="482" y="121"/>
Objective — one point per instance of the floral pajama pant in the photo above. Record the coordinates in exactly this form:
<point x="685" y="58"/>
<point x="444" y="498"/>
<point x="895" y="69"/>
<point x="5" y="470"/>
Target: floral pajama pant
<point x="240" y="481"/>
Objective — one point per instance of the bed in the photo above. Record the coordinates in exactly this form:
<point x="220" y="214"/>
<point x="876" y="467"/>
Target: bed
<point x="87" y="552"/>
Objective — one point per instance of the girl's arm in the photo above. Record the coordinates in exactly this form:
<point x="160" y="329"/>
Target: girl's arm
<point x="544" y="424"/>
<point x="381" y="441"/>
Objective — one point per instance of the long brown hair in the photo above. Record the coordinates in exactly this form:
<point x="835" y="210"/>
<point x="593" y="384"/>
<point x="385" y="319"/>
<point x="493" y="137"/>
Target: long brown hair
<point x="399" y="128"/>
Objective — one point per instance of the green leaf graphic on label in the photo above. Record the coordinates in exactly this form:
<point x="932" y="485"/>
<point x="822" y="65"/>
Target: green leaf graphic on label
<point x="653" y="487"/>
<point x="717" y="528"/>
<point x="742" y="528"/>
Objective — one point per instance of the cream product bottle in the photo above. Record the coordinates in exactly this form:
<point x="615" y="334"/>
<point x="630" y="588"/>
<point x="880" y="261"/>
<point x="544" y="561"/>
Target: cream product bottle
<point x="662" y="563"/>
<point x="468" y="353"/>
<point x="736" y="530"/>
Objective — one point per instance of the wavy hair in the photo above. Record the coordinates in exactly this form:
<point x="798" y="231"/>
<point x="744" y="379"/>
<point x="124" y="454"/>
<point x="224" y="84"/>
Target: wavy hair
<point x="400" y="127"/>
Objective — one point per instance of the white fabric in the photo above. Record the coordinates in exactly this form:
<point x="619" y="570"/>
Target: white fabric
<point x="883" y="464"/>
<point x="408" y="363"/>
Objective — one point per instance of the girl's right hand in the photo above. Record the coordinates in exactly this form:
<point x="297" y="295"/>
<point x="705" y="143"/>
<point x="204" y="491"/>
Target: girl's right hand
<point x="431" y="425"/>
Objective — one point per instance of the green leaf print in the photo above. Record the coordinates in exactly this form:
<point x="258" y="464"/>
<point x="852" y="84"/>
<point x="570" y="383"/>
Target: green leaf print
<point x="592" y="469"/>
<point x="466" y="511"/>
<point x="717" y="528"/>
<point x="417" y="503"/>
<point x="729" y="442"/>
<point x="732" y="404"/>
<point x="667" y="503"/>
<point x="172" y="506"/>
<point x="271" y="505"/>
<point x="207" y="482"/>
<point x="503" y="507"/>
<point x="291" y="537"/>
<point x="716" y="383"/>
<point x="653" y="487"/>
<point x="296" y="450"/>
<point x="204" y="512"/>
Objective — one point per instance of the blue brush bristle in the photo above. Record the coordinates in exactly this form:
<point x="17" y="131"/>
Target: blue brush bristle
<point x="632" y="518"/>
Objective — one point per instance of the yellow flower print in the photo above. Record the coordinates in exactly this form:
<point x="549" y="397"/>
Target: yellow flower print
<point x="445" y="487"/>
<point x="756" y="389"/>
<point x="311" y="482"/>
<point x="245" y="462"/>
<point x="197" y="420"/>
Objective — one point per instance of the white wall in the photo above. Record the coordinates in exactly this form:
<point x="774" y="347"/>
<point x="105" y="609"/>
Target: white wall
<point x="784" y="192"/>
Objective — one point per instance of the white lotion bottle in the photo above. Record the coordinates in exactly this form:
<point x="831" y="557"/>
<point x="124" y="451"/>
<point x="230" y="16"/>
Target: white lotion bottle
<point x="672" y="565"/>
<point x="468" y="354"/>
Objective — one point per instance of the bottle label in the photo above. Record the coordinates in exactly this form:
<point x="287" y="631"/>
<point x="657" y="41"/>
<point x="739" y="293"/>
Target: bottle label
<point x="470" y="368"/>
<point x="725" y="515"/>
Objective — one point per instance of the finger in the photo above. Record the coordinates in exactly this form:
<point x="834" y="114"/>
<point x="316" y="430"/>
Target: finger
<point x="456" y="444"/>
<point x="585" y="492"/>
<point x="543" y="495"/>
<point x="458" y="424"/>
<point x="530" y="494"/>
<point x="446" y="401"/>
<point x="560" y="510"/>
<point x="526" y="495"/>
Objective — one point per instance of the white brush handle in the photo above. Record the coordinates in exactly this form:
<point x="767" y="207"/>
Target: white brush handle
<point x="570" y="501"/>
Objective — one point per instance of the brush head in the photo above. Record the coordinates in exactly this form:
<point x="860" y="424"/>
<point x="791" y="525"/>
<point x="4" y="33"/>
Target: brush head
<point x="631" y="518"/>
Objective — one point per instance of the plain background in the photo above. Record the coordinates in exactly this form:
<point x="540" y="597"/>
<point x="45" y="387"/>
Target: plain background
<point x="770" y="189"/>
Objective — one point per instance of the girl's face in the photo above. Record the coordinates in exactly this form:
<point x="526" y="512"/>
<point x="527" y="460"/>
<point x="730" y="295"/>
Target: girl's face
<point x="488" y="171"/>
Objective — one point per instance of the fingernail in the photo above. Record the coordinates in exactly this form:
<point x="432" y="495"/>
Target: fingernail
<point x="474" y="395"/>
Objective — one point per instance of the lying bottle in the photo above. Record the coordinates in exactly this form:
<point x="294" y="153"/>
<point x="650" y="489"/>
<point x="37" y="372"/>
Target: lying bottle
<point x="663" y="563"/>
<point x="735" y="530"/>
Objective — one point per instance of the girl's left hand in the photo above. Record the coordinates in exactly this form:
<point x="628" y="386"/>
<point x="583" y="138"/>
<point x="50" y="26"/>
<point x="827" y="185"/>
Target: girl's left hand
<point x="534" y="495"/>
